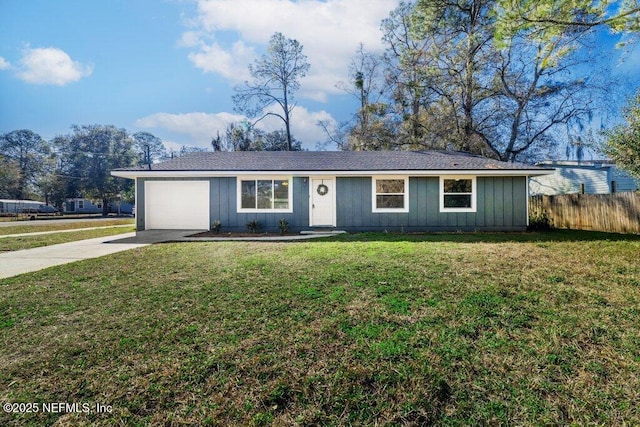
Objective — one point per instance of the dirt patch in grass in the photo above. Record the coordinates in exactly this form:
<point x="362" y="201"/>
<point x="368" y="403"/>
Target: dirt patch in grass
<point x="403" y="332"/>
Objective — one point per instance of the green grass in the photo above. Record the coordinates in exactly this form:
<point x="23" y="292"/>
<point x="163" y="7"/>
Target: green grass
<point x="62" y="225"/>
<point x="8" y="244"/>
<point x="457" y="329"/>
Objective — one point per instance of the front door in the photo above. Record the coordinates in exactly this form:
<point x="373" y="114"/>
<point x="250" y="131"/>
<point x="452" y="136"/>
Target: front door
<point x="323" y="202"/>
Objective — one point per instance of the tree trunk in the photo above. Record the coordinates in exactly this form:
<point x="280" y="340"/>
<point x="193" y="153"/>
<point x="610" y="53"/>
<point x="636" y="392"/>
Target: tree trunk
<point x="105" y="207"/>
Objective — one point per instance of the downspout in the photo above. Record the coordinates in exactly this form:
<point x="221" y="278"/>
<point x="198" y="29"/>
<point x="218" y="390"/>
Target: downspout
<point x="527" y="197"/>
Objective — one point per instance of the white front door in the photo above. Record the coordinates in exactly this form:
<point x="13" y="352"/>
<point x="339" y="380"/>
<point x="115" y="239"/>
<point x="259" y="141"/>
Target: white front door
<point x="323" y="202"/>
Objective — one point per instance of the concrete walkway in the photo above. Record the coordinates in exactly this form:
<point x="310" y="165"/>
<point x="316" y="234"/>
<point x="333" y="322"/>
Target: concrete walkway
<point x="29" y="260"/>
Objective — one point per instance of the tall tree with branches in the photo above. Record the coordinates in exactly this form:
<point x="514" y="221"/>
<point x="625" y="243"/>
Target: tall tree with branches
<point x="623" y="141"/>
<point x="89" y="154"/>
<point x="275" y="78"/>
<point x="28" y="151"/>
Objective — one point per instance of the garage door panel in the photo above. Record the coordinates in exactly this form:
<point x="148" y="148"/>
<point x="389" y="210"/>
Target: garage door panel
<point x="177" y="205"/>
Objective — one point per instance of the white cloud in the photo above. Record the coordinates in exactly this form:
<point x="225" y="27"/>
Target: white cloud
<point x="330" y="32"/>
<point x="4" y="64"/>
<point x="229" y="64"/>
<point x="201" y="127"/>
<point x="50" y="66"/>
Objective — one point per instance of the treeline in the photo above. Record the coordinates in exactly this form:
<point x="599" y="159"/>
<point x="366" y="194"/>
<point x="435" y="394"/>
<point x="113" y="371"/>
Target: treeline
<point x="79" y="164"/>
<point x="74" y="165"/>
<point x="508" y="80"/>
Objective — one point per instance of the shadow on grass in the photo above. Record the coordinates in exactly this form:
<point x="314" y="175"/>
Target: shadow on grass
<point x="486" y="237"/>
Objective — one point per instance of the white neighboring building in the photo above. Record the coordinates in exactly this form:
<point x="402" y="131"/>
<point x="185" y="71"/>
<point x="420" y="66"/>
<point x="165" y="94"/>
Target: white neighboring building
<point x="586" y="177"/>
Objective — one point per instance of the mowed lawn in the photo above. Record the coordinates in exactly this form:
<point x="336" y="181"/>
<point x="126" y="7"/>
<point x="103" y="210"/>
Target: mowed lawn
<point x="455" y="329"/>
<point x="58" y="225"/>
<point x="9" y="244"/>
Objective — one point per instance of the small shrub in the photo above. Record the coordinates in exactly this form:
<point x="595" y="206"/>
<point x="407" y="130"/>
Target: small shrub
<point x="253" y="226"/>
<point x="216" y="226"/>
<point x="540" y="222"/>
<point x="283" y="225"/>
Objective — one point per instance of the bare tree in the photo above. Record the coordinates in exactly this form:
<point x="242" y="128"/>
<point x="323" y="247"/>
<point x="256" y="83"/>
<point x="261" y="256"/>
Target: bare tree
<point x="276" y="78"/>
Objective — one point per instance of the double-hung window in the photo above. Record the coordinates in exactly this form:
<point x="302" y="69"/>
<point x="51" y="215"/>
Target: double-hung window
<point x="264" y="195"/>
<point x="457" y="194"/>
<point x="390" y="194"/>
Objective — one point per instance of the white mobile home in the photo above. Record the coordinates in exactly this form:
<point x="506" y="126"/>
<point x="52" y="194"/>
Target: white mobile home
<point x="15" y="206"/>
<point x="585" y="177"/>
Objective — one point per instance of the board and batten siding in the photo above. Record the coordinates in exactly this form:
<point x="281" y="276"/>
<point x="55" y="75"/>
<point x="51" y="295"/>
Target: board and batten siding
<point x="224" y="196"/>
<point x="501" y="205"/>
<point x="223" y="206"/>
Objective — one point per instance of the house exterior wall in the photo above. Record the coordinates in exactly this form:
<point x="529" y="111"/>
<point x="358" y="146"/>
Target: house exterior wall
<point x="223" y="208"/>
<point x="624" y="182"/>
<point x="72" y="206"/>
<point x="501" y="205"/>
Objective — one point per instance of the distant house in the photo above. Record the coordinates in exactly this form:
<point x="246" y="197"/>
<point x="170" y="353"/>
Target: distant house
<point x="81" y="205"/>
<point x="347" y="190"/>
<point x="585" y="177"/>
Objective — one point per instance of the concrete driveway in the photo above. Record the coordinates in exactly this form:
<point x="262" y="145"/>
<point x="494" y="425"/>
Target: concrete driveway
<point x="28" y="260"/>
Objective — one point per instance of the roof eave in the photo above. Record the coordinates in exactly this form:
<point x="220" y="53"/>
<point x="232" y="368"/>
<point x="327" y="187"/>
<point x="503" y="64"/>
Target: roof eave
<point x="412" y="172"/>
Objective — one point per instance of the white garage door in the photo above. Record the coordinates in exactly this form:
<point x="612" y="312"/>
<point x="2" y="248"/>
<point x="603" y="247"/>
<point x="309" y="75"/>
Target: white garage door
<point x="176" y="205"/>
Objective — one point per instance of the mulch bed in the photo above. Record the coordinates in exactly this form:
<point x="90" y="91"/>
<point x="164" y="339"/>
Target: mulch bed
<point x="210" y="234"/>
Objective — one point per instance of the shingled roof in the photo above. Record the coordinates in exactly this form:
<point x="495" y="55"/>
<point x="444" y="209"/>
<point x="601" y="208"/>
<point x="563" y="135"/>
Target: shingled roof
<point x="338" y="161"/>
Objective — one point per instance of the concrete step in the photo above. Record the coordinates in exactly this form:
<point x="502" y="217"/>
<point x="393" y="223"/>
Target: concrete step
<point x="322" y="231"/>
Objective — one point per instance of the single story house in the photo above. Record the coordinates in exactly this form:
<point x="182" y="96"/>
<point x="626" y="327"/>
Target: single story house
<point x="584" y="177"/>
<point x="347" y="190"/>
<point x="81" y="205"/>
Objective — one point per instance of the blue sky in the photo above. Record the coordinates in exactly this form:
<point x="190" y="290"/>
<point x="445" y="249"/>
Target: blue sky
<point x="169" y="66"/>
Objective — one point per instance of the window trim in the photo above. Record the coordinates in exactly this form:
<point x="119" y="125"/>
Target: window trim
<point x="473" y="194"/>
<point x="374" y="193"/>
<point x="239" y="179"/>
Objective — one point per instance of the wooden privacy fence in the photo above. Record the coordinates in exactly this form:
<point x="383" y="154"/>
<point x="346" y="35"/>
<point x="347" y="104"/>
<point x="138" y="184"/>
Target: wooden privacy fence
<point x="615" y="213"/>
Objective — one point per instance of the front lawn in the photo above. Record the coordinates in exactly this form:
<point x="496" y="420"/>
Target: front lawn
<point x="8" y="244"/>
<point x="57" y="225"/>
<point x="459" y="329"/>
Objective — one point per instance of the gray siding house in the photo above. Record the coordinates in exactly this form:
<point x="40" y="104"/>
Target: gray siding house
<point x="81" y="205"/>
<point x="585" y="177"/>
<point x="353" y="191"/>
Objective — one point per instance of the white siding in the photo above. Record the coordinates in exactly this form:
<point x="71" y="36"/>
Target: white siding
<point x="568" y="179"/>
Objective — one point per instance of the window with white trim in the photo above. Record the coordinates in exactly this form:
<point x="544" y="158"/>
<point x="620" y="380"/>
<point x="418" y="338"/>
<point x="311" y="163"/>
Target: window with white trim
<point x="390" y="194"/>
<point x="457" y="194"/>
<point x="264" y="195"/>
<point x="80" y="204"/>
